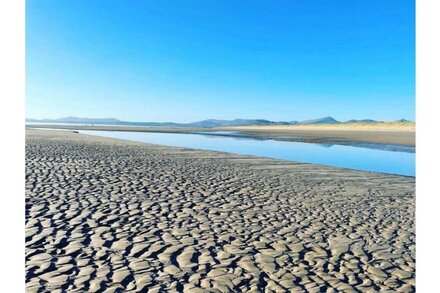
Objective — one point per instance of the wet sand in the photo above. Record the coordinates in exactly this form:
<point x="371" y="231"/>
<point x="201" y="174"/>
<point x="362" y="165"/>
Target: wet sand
<point x="107" y="214"/>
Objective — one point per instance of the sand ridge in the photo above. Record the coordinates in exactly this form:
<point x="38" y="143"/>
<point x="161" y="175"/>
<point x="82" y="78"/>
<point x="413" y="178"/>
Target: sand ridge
<point x="105" y="214"/>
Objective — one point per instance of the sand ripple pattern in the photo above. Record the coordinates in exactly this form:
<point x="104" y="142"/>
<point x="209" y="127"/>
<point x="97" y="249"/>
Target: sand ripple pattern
<point x="109" y="217"/>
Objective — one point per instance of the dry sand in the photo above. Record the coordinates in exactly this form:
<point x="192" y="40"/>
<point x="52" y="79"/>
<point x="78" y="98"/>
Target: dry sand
<point x="105" y="214"/>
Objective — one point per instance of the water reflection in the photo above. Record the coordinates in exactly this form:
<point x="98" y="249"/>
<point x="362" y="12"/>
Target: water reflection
<point x="394" y="162"/>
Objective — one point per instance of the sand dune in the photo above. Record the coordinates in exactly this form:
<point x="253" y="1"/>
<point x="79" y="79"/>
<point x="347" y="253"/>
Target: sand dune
<point x="106" y="214"/>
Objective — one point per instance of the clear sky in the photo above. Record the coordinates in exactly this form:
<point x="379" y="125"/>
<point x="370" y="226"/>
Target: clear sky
<point x="191" y="60"/>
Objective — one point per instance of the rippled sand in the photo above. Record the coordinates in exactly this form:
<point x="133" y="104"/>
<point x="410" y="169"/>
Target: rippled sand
<point x="105" y="214"/>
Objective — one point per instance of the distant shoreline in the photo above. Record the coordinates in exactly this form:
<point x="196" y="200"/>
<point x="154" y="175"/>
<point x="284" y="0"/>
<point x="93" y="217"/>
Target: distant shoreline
<point x="212" y="123"/>
<point x="392" y="139"/>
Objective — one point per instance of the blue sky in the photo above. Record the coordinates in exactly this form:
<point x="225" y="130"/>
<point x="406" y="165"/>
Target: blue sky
<point x="191" y="60"/>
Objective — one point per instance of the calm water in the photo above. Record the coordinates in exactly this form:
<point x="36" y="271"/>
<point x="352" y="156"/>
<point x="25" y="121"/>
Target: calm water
<point x="401" y="163"/>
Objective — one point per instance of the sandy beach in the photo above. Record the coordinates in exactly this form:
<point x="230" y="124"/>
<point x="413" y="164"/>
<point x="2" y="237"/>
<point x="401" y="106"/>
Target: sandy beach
<point x="107" y="214"/>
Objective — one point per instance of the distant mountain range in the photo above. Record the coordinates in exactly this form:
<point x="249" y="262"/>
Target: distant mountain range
<point x="235" y="122"/>
<point x="203" y="123"/>
<point x="83" y="120"/>
<point x="323" y="120"/>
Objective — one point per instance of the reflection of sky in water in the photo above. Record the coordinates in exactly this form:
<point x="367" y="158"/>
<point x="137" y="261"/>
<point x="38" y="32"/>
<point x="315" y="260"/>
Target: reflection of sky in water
<point x="340" y="156"/>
